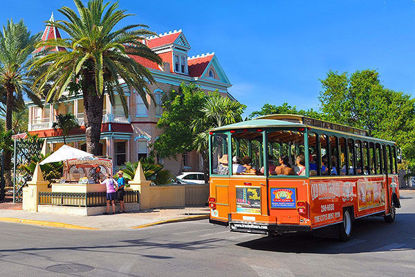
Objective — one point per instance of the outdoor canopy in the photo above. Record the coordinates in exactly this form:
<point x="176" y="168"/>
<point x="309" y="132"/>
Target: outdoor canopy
<point x="66" y="153"/>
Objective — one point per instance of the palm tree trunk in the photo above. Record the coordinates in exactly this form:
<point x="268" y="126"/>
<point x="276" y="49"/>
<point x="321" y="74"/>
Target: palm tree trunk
<point x="7" y="153"/>
<point x="93" y="105"/>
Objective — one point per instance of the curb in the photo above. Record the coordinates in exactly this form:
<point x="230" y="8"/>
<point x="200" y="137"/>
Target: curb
<point x="44" y="223"/>
<point x="180" y="219"/>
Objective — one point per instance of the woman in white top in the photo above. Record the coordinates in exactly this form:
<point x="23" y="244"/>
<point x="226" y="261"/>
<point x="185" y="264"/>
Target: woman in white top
<point x="299" y="168"/>
<point x="237" y="168"/>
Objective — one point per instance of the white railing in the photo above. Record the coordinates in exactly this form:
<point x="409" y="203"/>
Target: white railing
<point x="115" y="118"/>
<point x="40" y="124"/>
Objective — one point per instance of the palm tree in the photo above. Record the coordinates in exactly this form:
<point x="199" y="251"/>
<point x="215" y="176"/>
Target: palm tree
<point x="16" y="45"/>
<point x="65" y="122"/>
<point x="98" y="57"/>
<point x="6" y="144"/>
<point x="217" y="111"/>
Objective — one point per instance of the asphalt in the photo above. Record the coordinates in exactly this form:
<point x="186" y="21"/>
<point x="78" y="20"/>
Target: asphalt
<point x="198" y="248"/>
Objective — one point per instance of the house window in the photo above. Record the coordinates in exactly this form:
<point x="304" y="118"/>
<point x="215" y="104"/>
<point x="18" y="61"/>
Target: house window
<point x="120" y="153"/>
<point x="183" y="64"/>
<point x="185" y="158"/>
<point x="176" y="63"/>
<point x="211" y="74"/>
<point x="118" y="109"/>
<point x="141" y="110"/>
<point x="159" y="103"/>
<point x="142" y="149"/>
<point x="37" y="114"/>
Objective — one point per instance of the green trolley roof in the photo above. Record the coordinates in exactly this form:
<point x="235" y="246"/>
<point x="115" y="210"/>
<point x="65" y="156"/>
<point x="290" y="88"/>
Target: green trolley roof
<point x="298" y="121"/>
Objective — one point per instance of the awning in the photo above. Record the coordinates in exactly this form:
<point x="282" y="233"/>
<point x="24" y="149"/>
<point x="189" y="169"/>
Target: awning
<point x="66" y="153"/>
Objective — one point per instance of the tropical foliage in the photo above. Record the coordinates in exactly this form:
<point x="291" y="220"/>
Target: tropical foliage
<point x="50" y="171"/>
<point x="16" y="45"/>
<point x="360" y="100"/>
<point x="285" y="108"/>
<point x="65" y="122"/>
<point x="176" y="122"/>
<point x="97" y="56"/>
<point x="152" y="171"/>
<point x="184" y="133"/>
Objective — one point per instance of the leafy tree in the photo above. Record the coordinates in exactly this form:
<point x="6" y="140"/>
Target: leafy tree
<point x="16" y="45"/>
<point x="6" y="144"/>
<point x="180" y="108"/>
<point x="360" y="100"/>
<point x="20" y="120"/>
<point x="188" y="116"/>
<point x="285" y="108"/>
<point x="65" y="122"/>
<point x="217" y="111"/>
<point x="98" y="56"/>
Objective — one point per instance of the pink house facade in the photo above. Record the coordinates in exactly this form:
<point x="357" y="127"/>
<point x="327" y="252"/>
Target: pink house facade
<point x="130" y="138"/>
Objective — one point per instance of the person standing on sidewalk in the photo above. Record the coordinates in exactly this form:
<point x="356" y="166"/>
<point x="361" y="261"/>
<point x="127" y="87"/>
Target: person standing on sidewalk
<point x="120" y="190"/>
<point x="111" y="184"/>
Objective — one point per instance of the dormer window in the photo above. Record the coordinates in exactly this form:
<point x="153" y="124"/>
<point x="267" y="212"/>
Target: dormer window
<point x="180" y="64"/>
<point x="211" y="74"/>
<point x="183" y="64"/>
<point x="176" y="63"/>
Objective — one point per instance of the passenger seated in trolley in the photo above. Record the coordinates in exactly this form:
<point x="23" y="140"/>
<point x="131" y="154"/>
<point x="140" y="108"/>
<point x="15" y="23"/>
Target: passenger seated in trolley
<point x="271" y="166"/>
<point x="284" y="168"/>
<point x="299" y="167"/>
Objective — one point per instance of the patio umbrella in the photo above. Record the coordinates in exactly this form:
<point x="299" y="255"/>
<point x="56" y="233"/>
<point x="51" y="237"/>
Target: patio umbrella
<point x="66" y="153"/>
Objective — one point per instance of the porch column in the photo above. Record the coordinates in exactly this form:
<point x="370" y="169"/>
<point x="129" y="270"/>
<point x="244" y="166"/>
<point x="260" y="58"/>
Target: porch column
<point x="127" y="148"/>
<point x="75" y="108"/>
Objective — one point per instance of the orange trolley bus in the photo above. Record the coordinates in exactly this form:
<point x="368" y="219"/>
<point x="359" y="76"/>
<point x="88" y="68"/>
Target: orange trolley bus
<point x="284" y="173"/>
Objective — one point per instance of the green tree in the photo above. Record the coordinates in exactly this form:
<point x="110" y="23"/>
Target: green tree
<point x="285" y="108"/>
<point x="97" y="56"/>
<point x="360" y="100"/>
<point x="16" y="45"/>
<point x="65" y="122"/>
<point x="180" y="108"/>
<point x="217" y="111"/>
<point x="6" y="144"/>
<point x="188" y="116"/>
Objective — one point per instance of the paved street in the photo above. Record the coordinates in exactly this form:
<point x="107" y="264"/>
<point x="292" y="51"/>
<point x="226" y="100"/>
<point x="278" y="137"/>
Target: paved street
<point x="198" y="248"/>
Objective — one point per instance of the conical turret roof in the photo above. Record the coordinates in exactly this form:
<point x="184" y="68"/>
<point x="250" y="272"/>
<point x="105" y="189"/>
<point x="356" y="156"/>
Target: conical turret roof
<point x="50" y="32"/>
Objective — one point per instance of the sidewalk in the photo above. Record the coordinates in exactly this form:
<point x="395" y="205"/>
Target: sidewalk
<point x="123" y="221"/>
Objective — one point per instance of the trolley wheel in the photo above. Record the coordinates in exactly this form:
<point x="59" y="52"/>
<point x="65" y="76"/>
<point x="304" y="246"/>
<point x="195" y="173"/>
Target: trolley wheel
<point x="345" y="228"/>
<point x="390" y="218"/>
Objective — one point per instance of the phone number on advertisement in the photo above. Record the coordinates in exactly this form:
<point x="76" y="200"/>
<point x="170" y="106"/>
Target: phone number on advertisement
<point x="325" y="217"/>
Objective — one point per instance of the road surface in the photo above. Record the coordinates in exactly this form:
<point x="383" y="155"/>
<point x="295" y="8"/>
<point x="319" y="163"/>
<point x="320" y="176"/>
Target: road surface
<point x="201" y="249"/>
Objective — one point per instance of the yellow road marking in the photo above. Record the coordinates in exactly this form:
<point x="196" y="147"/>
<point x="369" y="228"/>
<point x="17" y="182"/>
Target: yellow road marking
<point x="44" y="223"/>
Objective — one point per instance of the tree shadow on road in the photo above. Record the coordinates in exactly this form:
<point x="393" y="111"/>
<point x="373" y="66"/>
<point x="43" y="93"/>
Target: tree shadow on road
<point x="369" y="235"/>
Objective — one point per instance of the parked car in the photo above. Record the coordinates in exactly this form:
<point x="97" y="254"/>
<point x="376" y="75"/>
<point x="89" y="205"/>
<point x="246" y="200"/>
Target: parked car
<point x="191" y="178"/>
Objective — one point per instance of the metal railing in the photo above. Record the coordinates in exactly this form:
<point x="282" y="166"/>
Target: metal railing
<point x="75" y="199"/>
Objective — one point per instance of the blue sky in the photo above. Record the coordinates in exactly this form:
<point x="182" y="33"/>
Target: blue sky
<point x="276" y="51"/>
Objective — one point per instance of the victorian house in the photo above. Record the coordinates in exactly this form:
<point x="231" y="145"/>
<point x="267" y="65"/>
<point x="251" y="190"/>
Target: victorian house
<point x="129" y="138"/>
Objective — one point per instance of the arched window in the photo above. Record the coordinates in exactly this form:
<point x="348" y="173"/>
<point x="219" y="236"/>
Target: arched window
<point x="158" y="97"/>
<point x="211" y="73"/>
<point x="141" y="109"/>
<point x="142" y="149"/>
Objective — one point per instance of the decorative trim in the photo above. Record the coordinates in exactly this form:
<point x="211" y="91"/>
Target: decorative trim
<point x="142" y="137"/>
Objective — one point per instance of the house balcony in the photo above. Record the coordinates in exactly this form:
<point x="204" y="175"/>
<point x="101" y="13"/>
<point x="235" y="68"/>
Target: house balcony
<point x="47" y="123"/>
<point x="41" y="124"/>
